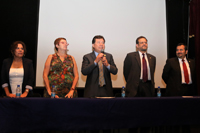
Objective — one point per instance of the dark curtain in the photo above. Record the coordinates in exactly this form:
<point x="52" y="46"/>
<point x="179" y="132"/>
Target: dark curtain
<point x="177" y="12"/>
<point x="195" y="35"/>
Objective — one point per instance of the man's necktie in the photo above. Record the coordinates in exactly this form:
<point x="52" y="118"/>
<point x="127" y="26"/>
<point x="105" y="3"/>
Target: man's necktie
<point x="185" y="72"/>
<point x="144" y="66"/>
<point x="101" y="77"/>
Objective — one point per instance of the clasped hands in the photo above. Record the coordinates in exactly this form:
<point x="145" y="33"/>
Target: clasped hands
<point x="69" y="94"/>
<point x="102" y="57"/>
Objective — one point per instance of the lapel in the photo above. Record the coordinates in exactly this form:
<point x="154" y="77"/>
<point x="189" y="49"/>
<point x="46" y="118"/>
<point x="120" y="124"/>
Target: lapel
<point x="190" y="65"/>
<point x="25" y="69"/>
<point x="93" y="55"/>
<point x="137" y="56"/>
<point x="149" y="60"/>
<point x="93" y="58"/>
<point x="176" y="63"/>
<point x="24" y="64"/>
<point x="10" y="63"/>
<point x="9" y="66"/>
<point x="189" y="61"/>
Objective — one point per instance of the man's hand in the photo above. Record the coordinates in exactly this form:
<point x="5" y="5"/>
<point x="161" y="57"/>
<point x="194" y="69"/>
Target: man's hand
<point x="104" y="61"/>
<point x="99" y="57"/>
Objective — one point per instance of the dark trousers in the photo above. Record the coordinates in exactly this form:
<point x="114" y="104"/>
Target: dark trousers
<point x="186" y="90"/>
<point x="101" y="92"/>
<point x="144" y="89"/>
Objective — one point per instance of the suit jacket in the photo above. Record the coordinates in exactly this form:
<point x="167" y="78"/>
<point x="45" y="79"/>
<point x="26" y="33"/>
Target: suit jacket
<point x="172" y="75"/>
<point x="92" y="71"/>
<point x="132" y="71"/>
<point x="28" y="73"/>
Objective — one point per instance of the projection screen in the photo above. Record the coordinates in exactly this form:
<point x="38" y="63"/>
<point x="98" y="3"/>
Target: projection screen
<point x="119" y="21"/>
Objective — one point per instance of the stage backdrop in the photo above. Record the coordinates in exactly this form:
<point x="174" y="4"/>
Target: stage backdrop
<point x="119" y="21"/>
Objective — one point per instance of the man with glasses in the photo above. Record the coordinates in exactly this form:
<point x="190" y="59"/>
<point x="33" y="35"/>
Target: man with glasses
<point x="97" y="66"/>
<point x="139" y="68"/>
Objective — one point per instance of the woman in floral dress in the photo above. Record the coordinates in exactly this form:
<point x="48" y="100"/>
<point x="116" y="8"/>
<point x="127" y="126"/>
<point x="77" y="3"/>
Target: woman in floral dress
<point x="61" y="71"/>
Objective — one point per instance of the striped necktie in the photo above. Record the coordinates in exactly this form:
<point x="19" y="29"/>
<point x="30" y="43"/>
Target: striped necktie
<point x="101" y="77"/>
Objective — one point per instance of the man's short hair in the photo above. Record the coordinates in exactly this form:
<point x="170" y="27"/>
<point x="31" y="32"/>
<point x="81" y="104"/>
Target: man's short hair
<point x="97" y="37"/>
<point x="137" y="40"/>
<point x="179" y="44"/>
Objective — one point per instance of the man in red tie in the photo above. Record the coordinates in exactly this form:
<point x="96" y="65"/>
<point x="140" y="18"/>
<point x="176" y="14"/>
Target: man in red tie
<point x="179" y="74"/>
<point x="139" y="68"/>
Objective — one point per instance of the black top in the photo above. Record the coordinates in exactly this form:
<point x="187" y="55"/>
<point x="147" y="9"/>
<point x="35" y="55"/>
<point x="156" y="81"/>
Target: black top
<point x="28" y="78"/>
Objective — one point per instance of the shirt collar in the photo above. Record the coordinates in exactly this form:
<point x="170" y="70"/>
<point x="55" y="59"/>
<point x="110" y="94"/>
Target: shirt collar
<point x="181" y="59"/>
<point x="96" y="54"/>
<point x="142" y="53"/>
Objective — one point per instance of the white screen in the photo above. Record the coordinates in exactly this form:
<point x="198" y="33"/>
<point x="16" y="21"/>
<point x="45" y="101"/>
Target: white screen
<point x="119" y="21"/>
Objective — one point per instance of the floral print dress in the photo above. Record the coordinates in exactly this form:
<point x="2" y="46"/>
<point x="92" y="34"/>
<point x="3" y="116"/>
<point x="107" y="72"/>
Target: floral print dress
<point x="61" y="75"/>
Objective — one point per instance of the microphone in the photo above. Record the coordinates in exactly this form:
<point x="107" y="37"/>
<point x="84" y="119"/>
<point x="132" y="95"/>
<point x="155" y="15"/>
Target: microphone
<point x="102" y="51"/>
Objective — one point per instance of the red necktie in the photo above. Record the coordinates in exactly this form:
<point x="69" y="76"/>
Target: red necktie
<point x="144" y="66"/>
<point x="185" y="72"/>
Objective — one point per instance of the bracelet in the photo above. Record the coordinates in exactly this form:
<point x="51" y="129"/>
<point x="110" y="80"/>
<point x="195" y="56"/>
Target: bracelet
<point x="72" y="89"/>
<point x="27" y="90"/>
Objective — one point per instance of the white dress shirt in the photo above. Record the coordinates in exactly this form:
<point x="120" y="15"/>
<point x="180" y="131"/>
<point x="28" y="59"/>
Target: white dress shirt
<point x="141" y="73"/>
<point x="182" y="71"/>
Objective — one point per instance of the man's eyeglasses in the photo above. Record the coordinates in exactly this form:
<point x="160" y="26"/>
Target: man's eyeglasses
<point x="142" y="42"/>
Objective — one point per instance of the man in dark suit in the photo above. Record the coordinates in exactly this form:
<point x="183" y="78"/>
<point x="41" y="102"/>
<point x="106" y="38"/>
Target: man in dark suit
<point x="139" y="68"/>
<point x="98" y="66"/>
<point x="179" y="74"/>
